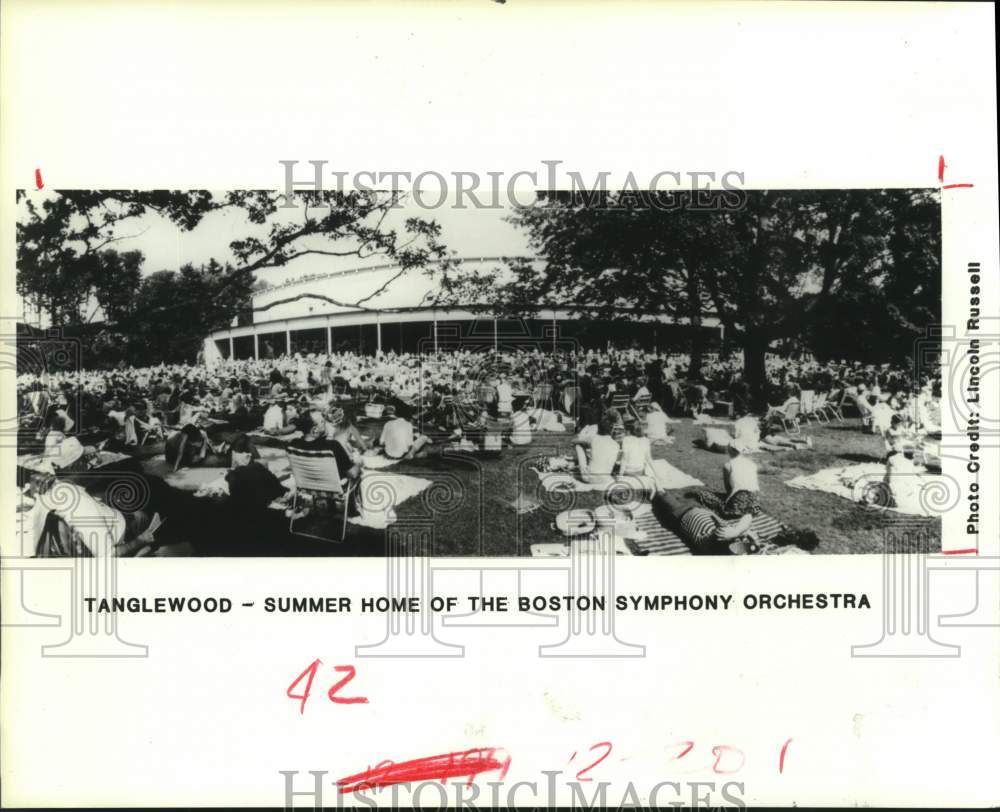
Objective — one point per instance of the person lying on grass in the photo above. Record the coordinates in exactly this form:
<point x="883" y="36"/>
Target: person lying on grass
<point x="698" y="526"/>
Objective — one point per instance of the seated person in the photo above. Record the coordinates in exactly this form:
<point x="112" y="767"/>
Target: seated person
<point x="604" y="451"/>
<point x="341" y="427"/>
<point x="881" y="414"/>
<point x="698" y="526"/>
<point x="747" y="433"/>
<point x="314" y="429"/>
<point x="773" y="418"/>
<point x="62" y="453"/>
<point x="505" y="397"/>
<point x="903" y="484"/>
<point x="88" y="528"/>
<point x="276" y="421"/>
<point x="189" y="447"/>
<point x="617" y="424"/>
<point x="252" y="486"/>
<point x="717" y="439"/>
<point x="520" y="430"/>
<point x="637" y="452"/>
<point x="642" y="392"/>
<point x="482" y="427"/>
<point x="900" y="438"/>
<point x="398" y="440"/>
<point x="742" y="487"/>
<point x="656" y="425"/>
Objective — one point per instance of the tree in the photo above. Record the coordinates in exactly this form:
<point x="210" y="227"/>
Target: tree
<point x="599" y="258"/>
<point x="774" y="267"/>
<point x="62" y="241"/>
<point x="64" y="259"/>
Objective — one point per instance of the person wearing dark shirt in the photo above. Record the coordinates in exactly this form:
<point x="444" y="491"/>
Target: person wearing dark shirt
<point x="252" y="486"/>
<point x="314" y="429"/>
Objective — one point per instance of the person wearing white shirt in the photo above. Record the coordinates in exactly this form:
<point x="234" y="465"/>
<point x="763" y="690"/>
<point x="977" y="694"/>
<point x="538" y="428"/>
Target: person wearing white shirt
<point x="397" y="438"/>
<point x="742" y="485"/>
<point x="604" y="453"/>
<point x="520" y="433"/>
<point x="505" y="397"/>
<point x="656" y="424"/>
<point x="637" y="455"/>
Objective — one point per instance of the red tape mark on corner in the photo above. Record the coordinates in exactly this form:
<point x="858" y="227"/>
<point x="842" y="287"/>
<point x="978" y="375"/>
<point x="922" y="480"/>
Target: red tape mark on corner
<point x="449" y="765"/>
<point x="38" y="179"/>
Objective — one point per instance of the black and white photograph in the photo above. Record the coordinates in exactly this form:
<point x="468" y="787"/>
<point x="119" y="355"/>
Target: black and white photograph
<point x="240" y="373"/>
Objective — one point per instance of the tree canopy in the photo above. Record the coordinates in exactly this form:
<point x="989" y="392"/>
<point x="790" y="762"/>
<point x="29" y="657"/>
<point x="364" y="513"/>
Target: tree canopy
<point x="785" y="264"/>
<point x="70" y="268"/>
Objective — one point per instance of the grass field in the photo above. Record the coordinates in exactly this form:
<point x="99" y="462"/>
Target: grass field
<point x="470" y="505"/>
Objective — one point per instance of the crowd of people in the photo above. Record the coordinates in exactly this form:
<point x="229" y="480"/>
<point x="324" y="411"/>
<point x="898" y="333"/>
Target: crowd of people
<point x="617" y="404"/>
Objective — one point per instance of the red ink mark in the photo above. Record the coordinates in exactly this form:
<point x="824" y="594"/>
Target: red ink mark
<point x="961" y="552"/>
<point x="345" y="700"/>
<point x="781" y="759"/>
<point x="941" y="168"/>
<point x="38" y="178"/>
<point x="579" y="775"/>
<point x="311" y="672"/>
<point x="687" y="749"/>
<point x="449" y="765"/>
<point x="718" y="751"/>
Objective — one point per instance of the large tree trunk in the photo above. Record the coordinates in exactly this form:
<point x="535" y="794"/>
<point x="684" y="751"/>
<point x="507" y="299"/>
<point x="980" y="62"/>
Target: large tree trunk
<point x="754" y="369"/>
<point x="694" y="316"/>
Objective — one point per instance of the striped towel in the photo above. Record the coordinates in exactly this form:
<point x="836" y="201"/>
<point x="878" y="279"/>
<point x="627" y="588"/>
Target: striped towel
<point x="661" y="541"/>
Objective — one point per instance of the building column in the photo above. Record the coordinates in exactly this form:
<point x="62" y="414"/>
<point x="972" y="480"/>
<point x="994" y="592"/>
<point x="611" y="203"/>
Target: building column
<point x="230" y="347"/>
<point x="288" y="341"/>
<point x="378" y="333"/>
<point x="256" y="347"/>
<point x="435" y="332"/>
<point x="495" y="342"/>
<point x="329" y="339"/>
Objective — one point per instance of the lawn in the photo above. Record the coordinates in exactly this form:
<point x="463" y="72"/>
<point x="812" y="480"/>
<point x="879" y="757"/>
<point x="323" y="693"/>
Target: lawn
<point x="471" y="503"/>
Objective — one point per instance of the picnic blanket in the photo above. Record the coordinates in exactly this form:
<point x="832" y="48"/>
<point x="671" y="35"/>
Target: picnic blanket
<point x="660" y="540"/>
<point x="377" y="462"/>
<point x="667" y="478"/>
<point x="848" y="482"/>
<point x="382" y="493"/>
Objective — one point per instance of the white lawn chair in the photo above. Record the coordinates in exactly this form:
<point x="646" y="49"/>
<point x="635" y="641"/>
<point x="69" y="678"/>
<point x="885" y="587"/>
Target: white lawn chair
<point x="834" y="404"/>
<point x="807" y="401"/>
<point x="317" y="472"/>
<point x="864" y="409"/>
<point x="819" y="408"/>
<point x="788" y="414"/>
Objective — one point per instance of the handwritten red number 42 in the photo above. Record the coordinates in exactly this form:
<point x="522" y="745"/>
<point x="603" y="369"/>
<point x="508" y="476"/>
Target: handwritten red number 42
<point x="310" y="674"/>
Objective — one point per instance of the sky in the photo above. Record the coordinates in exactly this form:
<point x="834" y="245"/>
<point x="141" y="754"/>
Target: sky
<point x="469" y="232"/>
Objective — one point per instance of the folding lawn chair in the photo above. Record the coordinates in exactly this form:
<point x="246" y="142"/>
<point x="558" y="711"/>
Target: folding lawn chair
<point x="317" y="472"/>
<point x="834" y="404"/>
<point x="788" y="414"/>
<point x="541" y="397"/>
